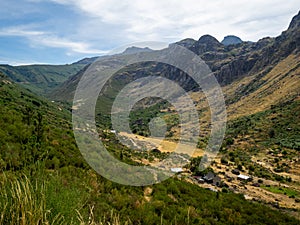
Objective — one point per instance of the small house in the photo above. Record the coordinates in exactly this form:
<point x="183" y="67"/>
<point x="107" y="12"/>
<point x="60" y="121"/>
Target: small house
<point x="209" y="177"/>
<point x="217" y="181"/>
<point x="244" y="177"/>
<point x="176" y="170"/>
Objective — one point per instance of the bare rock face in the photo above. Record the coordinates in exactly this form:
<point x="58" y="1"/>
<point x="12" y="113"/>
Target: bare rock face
<point x="188" y="42"/>
<point x="230" y="60"/>
<point x="295" y="23"/>
<point x="231" y="40"/>
<point x="206" y="43"/>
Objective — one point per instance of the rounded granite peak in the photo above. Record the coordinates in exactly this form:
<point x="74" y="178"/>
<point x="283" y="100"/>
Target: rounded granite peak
<point x="231" y="40"/>
<point x="208" y="39"/>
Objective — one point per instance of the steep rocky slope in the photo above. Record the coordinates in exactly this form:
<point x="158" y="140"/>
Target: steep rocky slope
<point x="242" y="69"/>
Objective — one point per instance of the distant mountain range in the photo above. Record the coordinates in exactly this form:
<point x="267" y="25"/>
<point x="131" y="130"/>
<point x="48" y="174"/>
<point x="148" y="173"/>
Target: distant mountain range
<point x="133" y="50"/>
<point x="231" y="62"/>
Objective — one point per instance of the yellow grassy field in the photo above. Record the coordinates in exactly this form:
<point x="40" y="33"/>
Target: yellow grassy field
<point x="165" y="145"/>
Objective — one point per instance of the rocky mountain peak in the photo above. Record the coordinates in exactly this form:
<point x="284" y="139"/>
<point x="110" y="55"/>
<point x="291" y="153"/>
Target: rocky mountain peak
<point x="133" y="50"/>
<point x="188" y="42"/>
<point x="208" y="39"/>
<point x="231" y="40"/>
<point x="206" y="43"/>
<point x="295" y="22"/>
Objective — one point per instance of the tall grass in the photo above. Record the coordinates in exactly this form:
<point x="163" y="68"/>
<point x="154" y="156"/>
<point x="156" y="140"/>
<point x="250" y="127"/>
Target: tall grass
<point x="24" y="202"/>
<point x="115" y="219"/>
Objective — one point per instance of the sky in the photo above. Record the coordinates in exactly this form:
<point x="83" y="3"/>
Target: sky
<point x="64" y="31"/>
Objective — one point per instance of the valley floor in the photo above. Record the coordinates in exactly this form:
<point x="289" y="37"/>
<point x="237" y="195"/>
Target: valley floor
<point x="285" y="196"/>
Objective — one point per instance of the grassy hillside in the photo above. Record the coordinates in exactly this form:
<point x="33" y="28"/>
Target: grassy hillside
<point x="33" y="129"/>
<point x="258" y="93"/>
<point x="44" y="179"/>
<point x="73" y="196"/>
<point x="267" y="143"/>
<point x="41" y="79"/>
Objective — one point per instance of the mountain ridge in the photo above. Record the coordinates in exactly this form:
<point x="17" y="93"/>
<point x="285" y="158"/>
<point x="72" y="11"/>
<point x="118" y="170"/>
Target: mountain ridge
<point x="232" y="62"/>
<point x="231" y="40"/>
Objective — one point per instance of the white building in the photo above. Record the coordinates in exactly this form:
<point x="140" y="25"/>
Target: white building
<point x="176" y="170"/>
<point x="243" y="177"/>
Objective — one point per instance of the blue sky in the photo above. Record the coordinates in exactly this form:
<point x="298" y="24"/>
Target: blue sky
<point x="63" y="31"/>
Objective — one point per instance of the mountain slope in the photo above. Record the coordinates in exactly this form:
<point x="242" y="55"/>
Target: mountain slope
<point x="258" y="93"/>
<point x="262" y="96"/>
<point x="32" y="128"/>
<point x="41" y="162"/>
<point x="247" y="61"/>
<point x="41" y="79"/>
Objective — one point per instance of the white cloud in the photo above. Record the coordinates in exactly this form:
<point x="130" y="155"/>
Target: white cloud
<point x="46" y="39"/>
<point x="77" y="47"/>
<point x="79" y="28"/>
<point x="161" y="19"/>
<point x="20" y="31"/>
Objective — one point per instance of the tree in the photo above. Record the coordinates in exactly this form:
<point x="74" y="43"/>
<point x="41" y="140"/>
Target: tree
<point x="39" y="127"/>
<point x="271" y="133"/>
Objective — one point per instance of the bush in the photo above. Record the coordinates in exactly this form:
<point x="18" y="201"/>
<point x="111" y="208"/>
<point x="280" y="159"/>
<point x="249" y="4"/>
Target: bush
<point x="224" y="190"/>
<point x="271" y="133"/>
<point x="224" y="161"/>
<point x="229" y="141"/>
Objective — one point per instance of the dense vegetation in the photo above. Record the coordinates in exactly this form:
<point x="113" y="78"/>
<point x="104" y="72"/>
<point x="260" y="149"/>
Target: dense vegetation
<point x="71" y="195"/>
<point x="278" y="126"/>
<point x="40" y="78"/>
<point x="44" y="179"/>
<point x="34" y="129"/>
<point x="274" y="131"/>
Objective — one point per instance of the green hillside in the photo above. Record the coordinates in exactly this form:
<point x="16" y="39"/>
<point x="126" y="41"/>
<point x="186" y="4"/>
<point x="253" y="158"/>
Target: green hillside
<point x="255" y="178"/>
<point x="44" y="179"/>
<point x="33" y="129"/>
<point x="41" y="79"/>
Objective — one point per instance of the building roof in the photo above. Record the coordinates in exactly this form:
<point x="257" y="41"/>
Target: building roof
<point x="176" y="170"/>
<point x="209" y="176"/>
<point x="217" y="178"/>
<point x="243" y="177"/>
